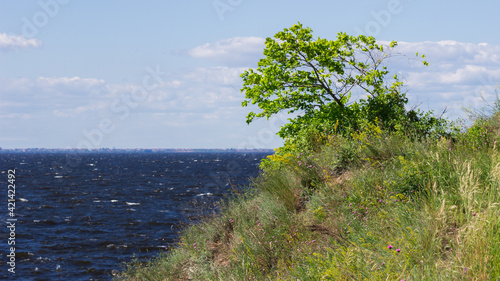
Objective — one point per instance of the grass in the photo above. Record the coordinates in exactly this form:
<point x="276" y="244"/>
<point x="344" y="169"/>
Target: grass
<point x="378" y="206"/>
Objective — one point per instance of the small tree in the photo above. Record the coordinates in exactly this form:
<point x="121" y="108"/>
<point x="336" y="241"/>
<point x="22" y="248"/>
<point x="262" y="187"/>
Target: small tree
<point x="315" y="78"/>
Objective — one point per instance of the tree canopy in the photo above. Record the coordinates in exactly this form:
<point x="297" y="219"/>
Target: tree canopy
<point x="314" y="78"/>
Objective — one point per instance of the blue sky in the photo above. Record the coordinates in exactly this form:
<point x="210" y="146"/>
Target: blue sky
<point x="165" y="74"/>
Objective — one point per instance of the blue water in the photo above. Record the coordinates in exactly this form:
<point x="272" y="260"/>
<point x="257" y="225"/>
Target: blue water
<point x="82" y="215"/>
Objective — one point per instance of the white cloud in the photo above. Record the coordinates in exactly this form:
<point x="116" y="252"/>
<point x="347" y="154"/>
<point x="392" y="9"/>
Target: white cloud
<point x="69" y="81"/>
<point x="11" y="42"/>
<point x="459" y="74"/>
<point x="60" y="96"/>
<point x="453" y="51"/>
<point x="215" y="75"/>
<point x="193" y="93"/>
<point x="232" y="51"/>
<point x="16" y="116"/>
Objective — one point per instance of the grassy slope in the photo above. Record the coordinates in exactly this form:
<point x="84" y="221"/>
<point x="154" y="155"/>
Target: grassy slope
<point x="375" y="207"/>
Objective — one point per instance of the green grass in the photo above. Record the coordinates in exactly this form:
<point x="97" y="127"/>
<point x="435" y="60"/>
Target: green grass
<point x="378" y="206"/>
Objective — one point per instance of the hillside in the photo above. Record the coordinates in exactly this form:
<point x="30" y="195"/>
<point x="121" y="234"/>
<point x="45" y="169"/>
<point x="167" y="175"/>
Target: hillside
<point x="375" y="205"/>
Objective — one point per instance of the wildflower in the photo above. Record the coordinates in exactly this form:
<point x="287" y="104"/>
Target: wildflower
<point x="474" y="214"/>
<point x="398" y="250"/>
<point x="389" y="247"/>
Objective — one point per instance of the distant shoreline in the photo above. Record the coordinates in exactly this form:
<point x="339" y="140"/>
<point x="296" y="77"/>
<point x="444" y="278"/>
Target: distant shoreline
<point x="135" y="150"/>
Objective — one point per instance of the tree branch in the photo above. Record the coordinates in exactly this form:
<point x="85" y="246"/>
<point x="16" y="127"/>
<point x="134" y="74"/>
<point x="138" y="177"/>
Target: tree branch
<point x="321" y="81"/>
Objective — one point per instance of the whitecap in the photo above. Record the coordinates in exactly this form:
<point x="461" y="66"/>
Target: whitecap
<point x="205" y="194"/>
<point x="23" y="200"/>
<point x="133" y="210"/>
<point x="114" y="201"/>
<point x="58" y="177"/>
<point x="132" y="204"/>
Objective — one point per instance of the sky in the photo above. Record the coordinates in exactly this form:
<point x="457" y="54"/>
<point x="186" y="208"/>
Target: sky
<point x="165" y="74"/>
